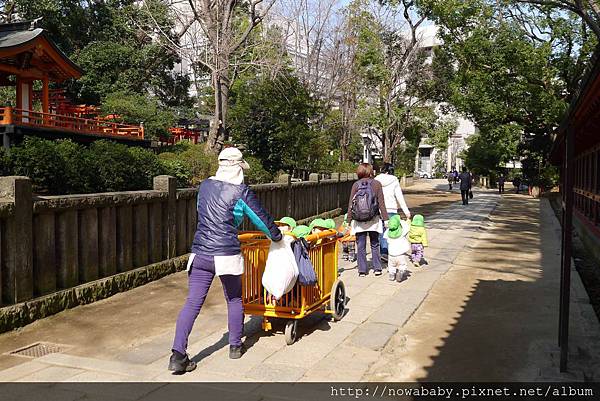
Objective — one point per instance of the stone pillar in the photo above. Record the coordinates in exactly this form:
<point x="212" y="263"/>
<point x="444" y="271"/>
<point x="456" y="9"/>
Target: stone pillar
<point x="88" y="246"/>
<point x="313" y="177"/>
<point x="166" y="183"/>
<point x="17" y="281"/>
<point x="335" y="176"/>
<point x="283" y="178"/>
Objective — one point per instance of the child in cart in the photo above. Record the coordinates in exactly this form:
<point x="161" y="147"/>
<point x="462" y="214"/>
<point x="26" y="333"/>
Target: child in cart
<point x="348" y="241"/>
<point x="417" y="237"/>
<point x="286" y="224"/>
<point x="399" y="247"/>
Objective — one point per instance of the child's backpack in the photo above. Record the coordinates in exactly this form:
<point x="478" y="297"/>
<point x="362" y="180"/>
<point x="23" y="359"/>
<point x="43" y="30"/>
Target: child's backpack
<point x="364" y="203"/>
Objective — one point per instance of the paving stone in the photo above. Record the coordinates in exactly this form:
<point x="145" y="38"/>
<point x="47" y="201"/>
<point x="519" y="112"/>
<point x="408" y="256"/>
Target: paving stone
<point x="372" y="335"/>
<point x="366" y="300"/>
<point x="221" y="363"/>
<point x="16" y="372"/>
<point x="357" y="314"/>
<point x="198" y="375"/>
<point x="313" y="346"/>
<point x="51" y="374"/>
<point x="384" y="289"/>
<point x="276" y="372"/>
<point x="95" y="376"/>
<point x="396" y="312"/>
<point x="121" y="368"/>
<point x="344" y="363"/>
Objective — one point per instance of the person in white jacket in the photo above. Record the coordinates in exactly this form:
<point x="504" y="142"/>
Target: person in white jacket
<point x="394" y="199"/>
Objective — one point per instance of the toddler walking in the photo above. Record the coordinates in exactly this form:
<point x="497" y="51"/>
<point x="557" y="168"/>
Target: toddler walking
<point x="348" y="241"/>
<point x="398" y="247"/>
<point x="418" y="239"/>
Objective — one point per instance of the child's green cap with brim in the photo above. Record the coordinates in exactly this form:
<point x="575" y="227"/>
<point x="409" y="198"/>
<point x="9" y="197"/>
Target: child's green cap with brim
<point x="318" y="223"/>
<point x="301" y="231"/>
<point x="418" y="221"/>
<point x="330" y="224"/>
<point x="397" y="228"/>
<point x="286" y="221"/>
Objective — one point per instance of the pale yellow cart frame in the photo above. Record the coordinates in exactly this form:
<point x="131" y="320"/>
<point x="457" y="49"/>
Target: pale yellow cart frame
<point x="329" y="294"/>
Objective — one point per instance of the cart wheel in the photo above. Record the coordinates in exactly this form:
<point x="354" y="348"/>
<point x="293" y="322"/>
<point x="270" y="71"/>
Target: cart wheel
<point x="337" y="302"/>
<point x="291" y="331"/>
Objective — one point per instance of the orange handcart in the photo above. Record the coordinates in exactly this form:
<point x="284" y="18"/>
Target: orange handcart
<point x="328" y="294"/>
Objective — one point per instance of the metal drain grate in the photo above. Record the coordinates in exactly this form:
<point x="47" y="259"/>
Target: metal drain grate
<point x="38" y="350"/>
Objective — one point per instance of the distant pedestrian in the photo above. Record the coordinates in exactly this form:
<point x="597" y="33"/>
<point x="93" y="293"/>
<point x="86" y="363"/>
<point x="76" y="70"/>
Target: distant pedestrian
<point x="466" y="180"/>
<point x="501" y="181"/>
<point x="222" y="202"/>
<point x="394" y="199"/>
<point x="455" y="176"/>
<point x="517" y="183"/>
<point x="450" y="180"/>
<point x="367" y="211"/>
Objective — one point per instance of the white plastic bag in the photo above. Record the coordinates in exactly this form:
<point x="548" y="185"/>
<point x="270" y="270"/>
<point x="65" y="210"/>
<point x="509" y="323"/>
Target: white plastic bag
<point x="281" y="269"/>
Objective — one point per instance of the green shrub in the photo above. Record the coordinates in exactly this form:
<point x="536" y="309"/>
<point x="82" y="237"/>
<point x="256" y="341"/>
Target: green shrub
<point x="257" y="173"/>
<point x="41" y="161"/>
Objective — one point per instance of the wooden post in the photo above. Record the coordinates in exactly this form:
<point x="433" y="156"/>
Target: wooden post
<point x="19" y="95"/>
<point x="30" y="96"/>
<point x="565" y="288"/>
<point x="8" y="116"/>
<point x="45" y="96"/>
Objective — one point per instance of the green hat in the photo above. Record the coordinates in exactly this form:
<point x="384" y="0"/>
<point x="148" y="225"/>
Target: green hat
<point x="286" y="221"/>
<point x="397" y="227"/>
<point x="418" y="221"/>
<point x="330" y="223"/>
<point x="301" y="231"/>
<point x="318" y="223"/>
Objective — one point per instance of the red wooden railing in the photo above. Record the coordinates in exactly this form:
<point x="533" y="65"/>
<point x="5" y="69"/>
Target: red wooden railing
<point x="30" y="118"/>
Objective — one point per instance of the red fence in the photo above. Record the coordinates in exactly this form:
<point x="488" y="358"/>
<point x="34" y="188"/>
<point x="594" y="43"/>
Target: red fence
<point x="29" y="118"/>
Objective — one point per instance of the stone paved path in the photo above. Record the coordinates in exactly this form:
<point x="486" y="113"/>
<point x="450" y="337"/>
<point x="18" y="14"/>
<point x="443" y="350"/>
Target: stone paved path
<point x="381" y="316"/>
<point x="377" y="308"/>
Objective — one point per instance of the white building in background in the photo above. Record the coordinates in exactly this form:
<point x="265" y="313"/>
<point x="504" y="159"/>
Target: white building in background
<point x="428" y="159"/>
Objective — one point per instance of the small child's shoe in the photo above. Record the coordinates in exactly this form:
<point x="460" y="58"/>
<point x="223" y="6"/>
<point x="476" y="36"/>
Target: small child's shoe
<point x="392" y="276"/>
<point x="399" y="276"/>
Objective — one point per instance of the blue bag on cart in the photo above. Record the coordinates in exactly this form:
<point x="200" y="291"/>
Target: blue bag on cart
<point x="306" y="270"/>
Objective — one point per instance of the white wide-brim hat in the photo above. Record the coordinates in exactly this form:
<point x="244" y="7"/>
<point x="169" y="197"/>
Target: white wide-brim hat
<point x="232" y="157"/>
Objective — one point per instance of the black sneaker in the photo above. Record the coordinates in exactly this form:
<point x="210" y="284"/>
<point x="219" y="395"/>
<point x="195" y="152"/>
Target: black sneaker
<point x="180" y="363"/>
<point x="378" y="272"/>
<point x="362" y="274"/>
<point x="236" y="352"/>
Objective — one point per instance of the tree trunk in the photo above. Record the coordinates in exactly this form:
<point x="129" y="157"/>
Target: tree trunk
<point x="217" y="133"/>
<point x="348" y="108"/>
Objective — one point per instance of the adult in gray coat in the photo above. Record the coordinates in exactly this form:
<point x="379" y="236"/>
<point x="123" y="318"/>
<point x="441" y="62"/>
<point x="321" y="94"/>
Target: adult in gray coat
<point x="465" y="185"/>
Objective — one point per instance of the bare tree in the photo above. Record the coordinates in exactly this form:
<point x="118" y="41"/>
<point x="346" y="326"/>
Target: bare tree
<point x="211" y="36"/>
<point x="587" y="10"/>
<point x="318" y="45"/>
<point x="393" y="66"/>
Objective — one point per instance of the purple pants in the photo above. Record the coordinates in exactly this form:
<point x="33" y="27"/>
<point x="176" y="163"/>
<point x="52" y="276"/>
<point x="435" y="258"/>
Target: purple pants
<point x="200" y="279"/>
<point x="361" y="245"/>
<point x="417" y="252"/>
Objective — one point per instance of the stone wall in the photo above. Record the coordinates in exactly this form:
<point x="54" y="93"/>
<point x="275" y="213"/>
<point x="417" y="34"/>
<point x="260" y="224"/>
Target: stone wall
<point x="51" y="246"/>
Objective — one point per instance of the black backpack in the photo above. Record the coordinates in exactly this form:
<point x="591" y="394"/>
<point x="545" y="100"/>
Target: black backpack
<point x="364" y="203"/>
